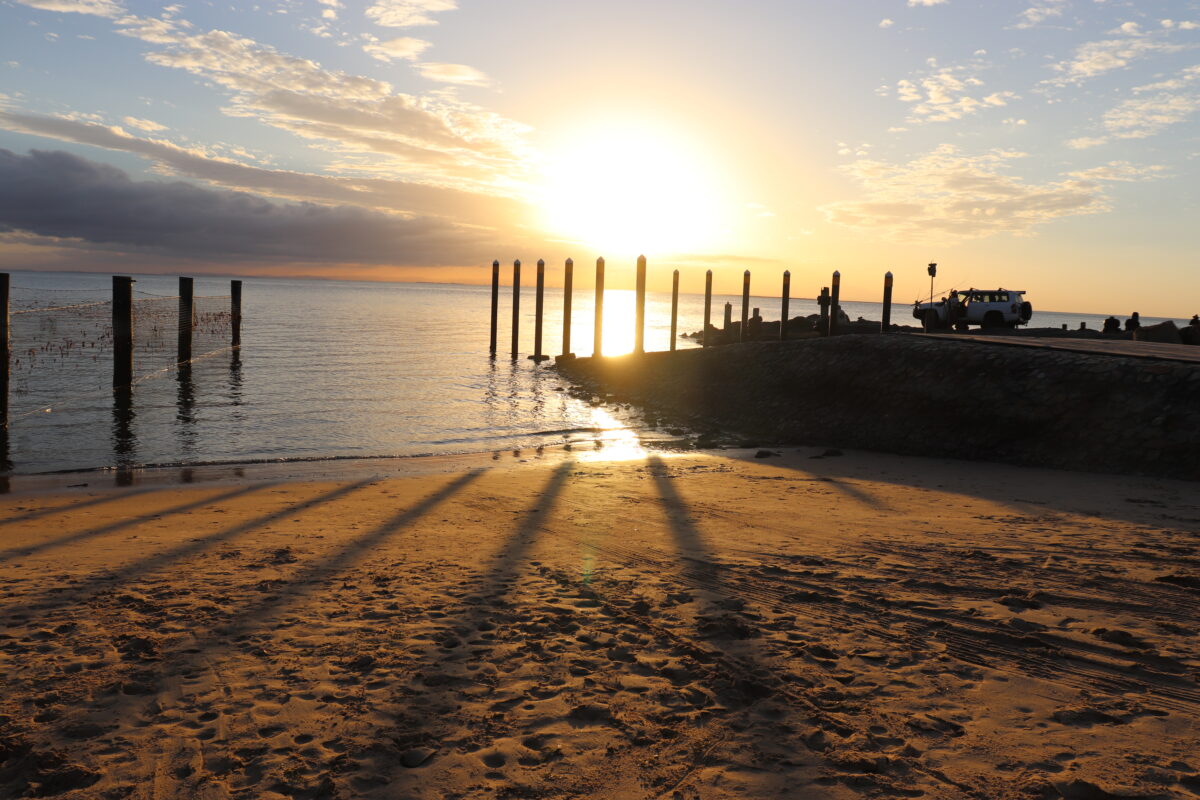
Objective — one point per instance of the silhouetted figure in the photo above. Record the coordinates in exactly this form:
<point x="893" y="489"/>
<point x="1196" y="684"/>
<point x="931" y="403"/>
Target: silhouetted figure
<point x="1112" y="325"/>
<point x="1195" y="320"/>
<point x="1133" y="323"/>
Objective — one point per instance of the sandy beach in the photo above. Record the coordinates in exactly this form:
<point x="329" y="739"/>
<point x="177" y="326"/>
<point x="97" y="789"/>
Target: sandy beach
<point x="703" y="625"/>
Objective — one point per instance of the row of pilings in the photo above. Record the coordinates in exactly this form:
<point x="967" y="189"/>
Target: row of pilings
<point x="829" y="301"/>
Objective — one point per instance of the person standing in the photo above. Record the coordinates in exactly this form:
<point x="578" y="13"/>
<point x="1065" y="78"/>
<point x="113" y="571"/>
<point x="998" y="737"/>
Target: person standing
<point x="1133" y="323"/>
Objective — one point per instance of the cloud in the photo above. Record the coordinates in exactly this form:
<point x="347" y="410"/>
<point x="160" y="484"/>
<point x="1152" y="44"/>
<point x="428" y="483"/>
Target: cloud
<point x="369" y="192"/>
<point x="1040" y="12"/>
<point x="143" y="124"/>
<point x="403" y="48"/>
<point x="947" y="195"/>
<point x="453" y="73"/>
<point x="1096" y="58"/>
<point x="886" y="23"/>
<point x="1142" y="117"/>
<point x="99" y="8"/>
<point x="916" y="3"/>
<point x="1085" y="142"/>
<point x="407" y="13"/>
<point x="59" y="196"/>
<point x="1119" y="171"/>
<point x="947" y="94"/>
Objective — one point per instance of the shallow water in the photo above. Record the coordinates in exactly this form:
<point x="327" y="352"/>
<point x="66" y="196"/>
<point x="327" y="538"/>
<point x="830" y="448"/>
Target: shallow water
<point x="326" y="369"/>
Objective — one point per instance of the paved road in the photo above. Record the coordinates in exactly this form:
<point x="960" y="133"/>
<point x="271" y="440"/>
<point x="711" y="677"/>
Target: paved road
<point x="1168" y="352"/>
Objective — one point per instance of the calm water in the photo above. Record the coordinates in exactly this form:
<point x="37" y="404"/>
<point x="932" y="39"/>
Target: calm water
<point x="326" y="369"/>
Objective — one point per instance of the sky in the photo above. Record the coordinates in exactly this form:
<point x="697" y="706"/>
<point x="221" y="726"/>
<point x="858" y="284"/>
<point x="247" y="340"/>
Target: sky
<point x="1043" y="145"/>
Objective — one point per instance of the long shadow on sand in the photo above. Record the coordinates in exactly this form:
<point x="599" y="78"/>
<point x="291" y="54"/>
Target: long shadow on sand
<point x="70" y="508"/>
<point x="106" y="579"/>
<point x="1041" y="491"/>
<point x="130" y="522"/>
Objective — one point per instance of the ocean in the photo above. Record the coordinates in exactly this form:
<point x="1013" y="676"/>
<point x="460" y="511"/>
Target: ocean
<point x="327" y="369"/>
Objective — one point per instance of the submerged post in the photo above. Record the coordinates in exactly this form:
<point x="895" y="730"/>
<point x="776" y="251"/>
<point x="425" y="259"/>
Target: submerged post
<point x="122" y="328"/>
<point x="598" y="332"/>
<point x="886" y="325"/>
<point x="187" y="319"/>
<point x="745" y="304"/>
<point x="235" y="313"/>
<point x="537" y="356"/>
<point x="495" y="304"/>
<point x="834" y="307"/>
<point x="568" y="280"/>
<point x="674" y="306"/>
<point x="516" y="309"/>
<point x="707" y="305"/>
<point x="787" y="297"/>
<point x="639" y="313"/>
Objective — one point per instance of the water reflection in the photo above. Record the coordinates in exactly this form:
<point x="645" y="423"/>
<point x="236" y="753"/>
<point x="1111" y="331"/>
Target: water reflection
<point x="124" y="441"/>
<point x="185" y="414"/>
<point x="614" y="440"/>
<point x="235" y="382"/>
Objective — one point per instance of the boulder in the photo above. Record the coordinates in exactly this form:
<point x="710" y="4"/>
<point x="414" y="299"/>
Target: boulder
<point x="1163" y="332"/>
<point x="1190" y="334"/>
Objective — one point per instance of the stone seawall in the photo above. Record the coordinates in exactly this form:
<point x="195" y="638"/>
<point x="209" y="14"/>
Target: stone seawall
<point x="923" y="396"/>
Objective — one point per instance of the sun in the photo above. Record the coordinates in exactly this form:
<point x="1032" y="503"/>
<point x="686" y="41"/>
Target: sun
<point x="633" y="188"/>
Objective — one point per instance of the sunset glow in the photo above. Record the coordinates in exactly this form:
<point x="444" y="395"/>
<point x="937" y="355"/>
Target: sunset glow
<point x="632" y="188"/>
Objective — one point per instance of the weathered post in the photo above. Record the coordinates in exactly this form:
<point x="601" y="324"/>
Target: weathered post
<point x="639" y="310"/>
<point x="707" y="305"/>
<point x="495" y="304"/>
<point x="674" y="305"/>
<point x="537" y="356"/>
<point x="122" y="328"/>
<point x="745" y="304"/>
<point x="834" y="306"/>
<point x="187" y="319"/>
<point x="787" y="297"/>
<point x="235" y="313"/>
<point x="823" y="302"/>
<point x="568" y="281"/>
<point x="516" y="306"/>
<point x="598" y="332"/>
<point x="886" y="325"/>
<point x="5" y="362"/>
<point x="728" y="319"/>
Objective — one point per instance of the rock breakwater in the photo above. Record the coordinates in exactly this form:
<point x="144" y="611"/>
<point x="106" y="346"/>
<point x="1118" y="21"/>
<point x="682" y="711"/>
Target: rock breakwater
<point x="924" y="396"/>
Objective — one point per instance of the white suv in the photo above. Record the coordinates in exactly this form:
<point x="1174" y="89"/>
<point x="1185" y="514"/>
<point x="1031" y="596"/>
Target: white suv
<point x="988" y="308"/>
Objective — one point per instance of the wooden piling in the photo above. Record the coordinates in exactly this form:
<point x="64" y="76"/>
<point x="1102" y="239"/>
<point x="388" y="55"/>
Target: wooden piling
<point x="728" y="318"/>
<point x="787" y="297"/>
<point x="568" y="280"/>
<point x="122" y="329"/>
<point x="886" y="325"/>
<point x="495" y="304"/>
<point x="707" y="306"/>
<point x="834" y="306"/>
<point x="539" y="306"/>
<point x="639" y="311"/>
<point x="187" y="320"/>
<point x="674" y="305"/>
<point x="598" y="331"/>
<point x="823" y="302"/>
<point x="745" y="305"/>
<point x="235" y="313"/>
<point x="5" y="362"/>
<point x="516" y="306"/>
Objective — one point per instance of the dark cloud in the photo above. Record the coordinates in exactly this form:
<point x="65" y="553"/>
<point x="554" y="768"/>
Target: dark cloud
<point x="62" y="196"/>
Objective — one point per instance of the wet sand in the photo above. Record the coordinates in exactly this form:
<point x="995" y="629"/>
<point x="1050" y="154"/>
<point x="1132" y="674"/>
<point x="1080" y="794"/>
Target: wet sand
<point x="676" y="626"/>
